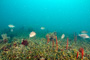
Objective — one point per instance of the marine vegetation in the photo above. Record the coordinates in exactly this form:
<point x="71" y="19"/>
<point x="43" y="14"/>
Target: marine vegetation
<point x="44" y="49"/>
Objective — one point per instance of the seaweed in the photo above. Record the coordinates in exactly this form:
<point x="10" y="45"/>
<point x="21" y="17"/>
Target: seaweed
<point x="38" y="49"/>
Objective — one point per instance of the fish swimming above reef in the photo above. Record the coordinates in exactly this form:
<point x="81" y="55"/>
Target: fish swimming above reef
<point x="84" y="35"/>
<point x="32" y="34"/>
<point x="42" y="28"/>
<point x="11" y="26"/>
<point x="63" y="35"/>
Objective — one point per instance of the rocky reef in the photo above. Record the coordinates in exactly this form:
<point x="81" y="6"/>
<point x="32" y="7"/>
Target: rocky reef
<point x="38" y="49"/>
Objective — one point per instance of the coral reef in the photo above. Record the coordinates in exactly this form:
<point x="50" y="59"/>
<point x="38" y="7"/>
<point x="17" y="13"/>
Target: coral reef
<point x="41" y="49"/>
<point x="4" y="36"/>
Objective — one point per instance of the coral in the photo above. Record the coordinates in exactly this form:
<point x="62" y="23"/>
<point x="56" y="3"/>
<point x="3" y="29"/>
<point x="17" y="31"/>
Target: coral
<point x="25" y="42"/>
<point x="4" y="36"/>
<point x="52" y="37"/>
<point x="77" y="54"/>
<point x="81" y="50"/>
<point x="56" y="44"/>
<point x="67" y="44"/>
<point x="47" y="36"/>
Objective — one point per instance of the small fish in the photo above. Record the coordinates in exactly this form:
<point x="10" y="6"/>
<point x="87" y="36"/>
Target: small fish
<point x="84" y="35"/>
<point x="63" y="35"/>
<point x="32" y="34"/>
<point x="42" y="28"/>
<point x="11" y="26"/>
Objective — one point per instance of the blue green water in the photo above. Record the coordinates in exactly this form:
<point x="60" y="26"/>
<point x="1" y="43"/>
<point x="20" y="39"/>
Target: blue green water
<point x="54" y="15"/>
<point x="61" y="39"/>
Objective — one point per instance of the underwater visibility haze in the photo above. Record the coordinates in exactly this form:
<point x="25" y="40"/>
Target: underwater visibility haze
<point x="44" y="29"/>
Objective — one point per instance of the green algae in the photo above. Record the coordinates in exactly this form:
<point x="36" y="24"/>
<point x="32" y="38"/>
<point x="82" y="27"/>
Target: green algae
<point x="38" y="49"/>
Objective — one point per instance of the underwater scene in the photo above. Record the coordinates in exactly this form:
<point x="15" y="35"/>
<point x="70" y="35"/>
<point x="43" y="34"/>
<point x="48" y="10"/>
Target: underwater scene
<point x="44" y="29"/>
